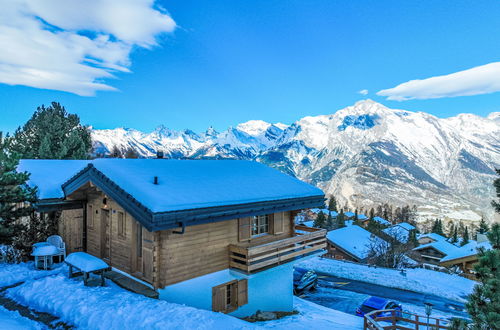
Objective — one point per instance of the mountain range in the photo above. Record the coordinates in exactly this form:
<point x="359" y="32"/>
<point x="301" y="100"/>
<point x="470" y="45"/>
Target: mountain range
<point x="364" y="155"/>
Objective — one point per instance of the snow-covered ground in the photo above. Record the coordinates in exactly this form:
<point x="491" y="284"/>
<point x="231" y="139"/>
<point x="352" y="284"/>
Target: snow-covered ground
<point x="112" y="307"/>
<point x="12" y="320"/>
<point x="418" y="280"/>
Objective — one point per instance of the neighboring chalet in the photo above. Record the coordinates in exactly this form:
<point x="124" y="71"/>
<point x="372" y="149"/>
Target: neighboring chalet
<point x="430" y="238"/>
<point x="432" y="253"/>
<point x="466" y="256"/>
<point x="350" y="243"/>
<point x="213" y="234"/>
<point x="400" y="231"/>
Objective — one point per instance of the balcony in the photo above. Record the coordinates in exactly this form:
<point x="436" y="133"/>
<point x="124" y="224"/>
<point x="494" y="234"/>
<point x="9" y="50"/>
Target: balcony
<point x="254" y="258"/>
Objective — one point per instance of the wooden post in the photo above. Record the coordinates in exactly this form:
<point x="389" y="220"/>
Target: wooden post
<point x="416" y="322"/>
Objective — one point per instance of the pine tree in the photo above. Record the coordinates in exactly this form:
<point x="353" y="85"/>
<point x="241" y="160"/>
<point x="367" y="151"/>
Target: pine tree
<point x="332" y="204"/>
<point x="496" y="184"/>
<point x="465" y="238"/>
<point x="484" y="303"/>
<point x="16" y="196"/>
<point x="52" y="133"/>
<point x="412" y="239"/>
<point x="320" y="220"/>
<point x="454" y="238"/>
<point x="372" y="214"/>
<point x="329" y="222"/>
<point x="116" y="152"/>
<point x="483" y="227"/>
<point x="130" y="153"/>
<point x="341" y="219"/>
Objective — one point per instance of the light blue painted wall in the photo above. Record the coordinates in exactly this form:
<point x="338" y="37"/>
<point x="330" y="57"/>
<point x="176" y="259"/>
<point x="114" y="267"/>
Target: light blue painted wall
<point x="270" y="290"/>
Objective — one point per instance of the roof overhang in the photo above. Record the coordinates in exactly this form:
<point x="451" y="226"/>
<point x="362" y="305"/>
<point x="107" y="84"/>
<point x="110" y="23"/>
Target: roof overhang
<point x="174" y="219"/>
<point x="56" y="204"/>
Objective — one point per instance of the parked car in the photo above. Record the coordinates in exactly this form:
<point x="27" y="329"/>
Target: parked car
<point x="376" y="303"/>
<point x="303" y="280"/>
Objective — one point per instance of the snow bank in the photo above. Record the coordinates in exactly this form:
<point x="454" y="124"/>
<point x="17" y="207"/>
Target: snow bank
<point x="113" y="308"/>
<point x="418" y="280"/>
<point x="15" y="273"/>
<point x="12" y="320"/>
<point x="313" y="316"/>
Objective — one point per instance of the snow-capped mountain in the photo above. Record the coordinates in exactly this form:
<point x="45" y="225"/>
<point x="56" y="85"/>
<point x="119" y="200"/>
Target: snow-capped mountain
<point x="364" y="154"/>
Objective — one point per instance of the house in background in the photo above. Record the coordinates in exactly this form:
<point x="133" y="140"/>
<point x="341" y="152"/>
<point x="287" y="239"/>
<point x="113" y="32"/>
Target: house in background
<point x="432" y="253"/>
<point x="351" y="243"/>
<point x="430" y="238"/>
<point x="466" y="256"/>
<point x="400" y="231"/>
<point x="216" y="235"/>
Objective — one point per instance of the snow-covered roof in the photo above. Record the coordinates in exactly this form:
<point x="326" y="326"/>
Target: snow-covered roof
<point x="433" y="236"/>
<point x="362" y="217"/>
<point x="353" y="239"/>
<point x="49" y="175"/>
<point x="382" y="221"/>
<point x="406" y="226"/>
<point x="400" y="231"/>
<point x="442" y="246"/>
<point x="467" y="250"/>
<point x="349" y="214"/>
<point x="325" y="211"/>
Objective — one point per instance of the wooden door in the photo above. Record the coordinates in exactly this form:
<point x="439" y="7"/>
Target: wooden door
<point x="147" y="255"/>
<point x="105" y="235"/>
<point x="137" y="250"/>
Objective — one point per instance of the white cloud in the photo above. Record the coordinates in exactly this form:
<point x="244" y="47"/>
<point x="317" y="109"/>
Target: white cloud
<point x="363" y="92"/>
<point x="72" y="45"/>
<point x="482" y="79"/>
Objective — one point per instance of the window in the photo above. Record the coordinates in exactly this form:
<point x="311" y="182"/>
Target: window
<point x="121" y="225"/>
<point x="260" y="225"/>
<point x="90" y="217"/>
<point x="229" y="296"/>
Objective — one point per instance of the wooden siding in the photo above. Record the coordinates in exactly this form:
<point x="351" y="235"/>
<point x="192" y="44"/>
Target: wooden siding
<point x="203" y="249"/>
<point x="70" y="227"/>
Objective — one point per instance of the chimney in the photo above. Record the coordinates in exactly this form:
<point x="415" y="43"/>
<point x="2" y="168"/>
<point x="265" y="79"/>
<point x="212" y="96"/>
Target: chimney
<point x="159" y="154"/>
<point x="155" y="180"/>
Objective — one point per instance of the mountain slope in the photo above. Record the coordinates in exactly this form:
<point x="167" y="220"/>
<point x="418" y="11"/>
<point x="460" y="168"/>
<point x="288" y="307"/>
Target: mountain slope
<point x="364" y="154"/>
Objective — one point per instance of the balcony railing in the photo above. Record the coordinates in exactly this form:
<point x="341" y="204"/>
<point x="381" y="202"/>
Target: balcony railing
<point x="391" y="319"/>
<point x="254" y="258"/>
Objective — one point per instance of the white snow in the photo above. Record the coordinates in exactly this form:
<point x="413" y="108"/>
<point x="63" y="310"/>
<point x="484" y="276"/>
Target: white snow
<point x="401" y="231"/>
<point x="12" y="320"/>
<point x="442" y="246"/>
<point x="313" y="316"/>
<point x="85" y="262"/>
<point x="15" y="273"/>
<point x="381" y="221"/>
<point x="49" y="175"/>
<point x="418" y="280"/>
<point x="353" y="239"/>
<point x="469" y="249"/>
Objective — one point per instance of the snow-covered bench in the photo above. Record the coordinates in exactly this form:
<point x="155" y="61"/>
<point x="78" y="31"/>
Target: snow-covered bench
<point x="86" y="264"/>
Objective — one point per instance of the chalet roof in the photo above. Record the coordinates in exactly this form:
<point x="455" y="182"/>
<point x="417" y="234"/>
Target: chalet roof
<point x="435" y="237"/>
<point x="401" y="231"/>
<point x="353" y="239"/>
<point x="197" y="191"/>
<point x="442" y="246"/>
<point x="382" y="221"/>
<point x="467" y="250"/>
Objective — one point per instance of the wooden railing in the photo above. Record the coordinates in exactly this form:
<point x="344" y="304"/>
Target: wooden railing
<point x="254" y="258"/>
<point x="391" y="319"/>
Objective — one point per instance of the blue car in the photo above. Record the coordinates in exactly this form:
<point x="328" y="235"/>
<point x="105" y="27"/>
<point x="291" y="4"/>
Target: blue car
<point x="304" y="279"/>
<point x="376" y="303"/>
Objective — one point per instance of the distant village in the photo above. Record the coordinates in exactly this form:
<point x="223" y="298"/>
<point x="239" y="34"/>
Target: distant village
<point x="394" y="241"/>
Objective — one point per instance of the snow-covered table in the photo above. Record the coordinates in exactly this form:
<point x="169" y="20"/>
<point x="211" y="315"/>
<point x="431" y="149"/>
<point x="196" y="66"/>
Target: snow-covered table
<point x="86" y="264"/>
<point x="44" y="252"/>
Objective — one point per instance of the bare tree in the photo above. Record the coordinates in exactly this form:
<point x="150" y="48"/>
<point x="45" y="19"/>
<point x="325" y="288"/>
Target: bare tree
<point x="389" y="252"/>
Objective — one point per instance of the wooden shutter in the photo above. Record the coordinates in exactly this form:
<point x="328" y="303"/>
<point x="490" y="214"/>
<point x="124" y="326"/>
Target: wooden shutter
<point x="147" y="254"/>
<point x="242" y="292"/>
<point x="244" y="229"/>
<point x="277" y="223"/>
<point x="219" y="298"/>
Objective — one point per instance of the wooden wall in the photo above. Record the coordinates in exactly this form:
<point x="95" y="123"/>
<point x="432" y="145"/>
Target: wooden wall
<point x="70" y="228"/>
<point x="203" y="249"/>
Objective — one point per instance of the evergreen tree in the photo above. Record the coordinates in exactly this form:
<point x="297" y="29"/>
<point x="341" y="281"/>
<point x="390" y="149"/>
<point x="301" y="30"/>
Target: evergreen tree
<point x="131" y="153"/>
<point x="52" y="133"/>
<point x="320" y="220"/>
<point x="454" y="238"/>
<point x="116" y="152"/>
<point x="329" y="222"/>
<point x="341" y="219"/>
<point x="412" y="239"/>
<point x="483" y="227"/>
<point x="465" y="238"/>
<point x="332" y="204"/>
<point x="16" y="196"/>
<point x="496" y="184"/>
<point x="372" y="214"/>
<point x="484" y="303"/>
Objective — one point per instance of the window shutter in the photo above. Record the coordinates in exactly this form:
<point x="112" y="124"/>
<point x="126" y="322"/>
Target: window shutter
<point x="218" y="298"/>
<point x="277" y="223"/>
<point x="244" y="229"/>
<point x="242" y="292"/>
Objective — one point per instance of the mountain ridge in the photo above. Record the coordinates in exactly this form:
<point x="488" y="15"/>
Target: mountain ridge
<point x="364" y="154"/>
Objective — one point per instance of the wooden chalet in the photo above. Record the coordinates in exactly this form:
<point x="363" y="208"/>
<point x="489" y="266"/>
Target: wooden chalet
<point x="214" y="234"/>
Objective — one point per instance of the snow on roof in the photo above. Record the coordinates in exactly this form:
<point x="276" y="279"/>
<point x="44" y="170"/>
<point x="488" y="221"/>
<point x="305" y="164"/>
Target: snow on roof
<point x="434" y="236"/>
<point x="353" y="239"/>
<point x="308" y="223"/>
<point x="442" y="246"/>
<point x="349" y="214"/>
<point x="400" y="231"/>
<point x="325" y="211"/>
<point x="382" y="221"/>
<point x="362" y="217"/>
<point x="406" y="226"/>
<point x="49" y="175"/>
<point x="190" y="184"/>
<point x="467" y="250"/>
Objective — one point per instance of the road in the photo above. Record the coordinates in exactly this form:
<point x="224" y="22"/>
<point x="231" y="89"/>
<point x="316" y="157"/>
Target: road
<point x="345" y="295"/>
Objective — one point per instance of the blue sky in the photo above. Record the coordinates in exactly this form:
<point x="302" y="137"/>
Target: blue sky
<point x="226" y="62"/>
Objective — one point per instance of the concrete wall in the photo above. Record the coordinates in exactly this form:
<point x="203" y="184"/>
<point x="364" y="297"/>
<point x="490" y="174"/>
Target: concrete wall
<point x="269" y="290"/>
